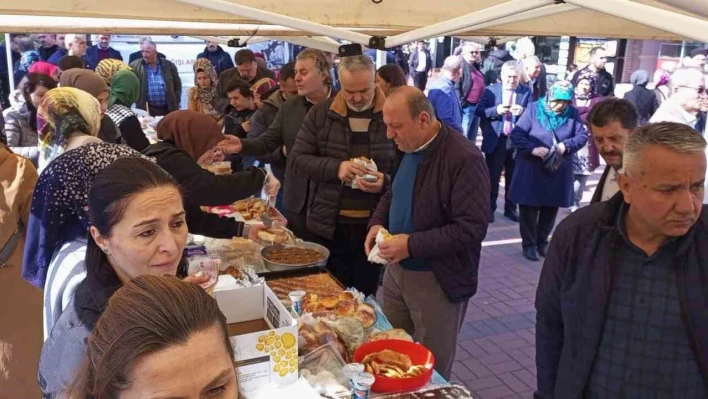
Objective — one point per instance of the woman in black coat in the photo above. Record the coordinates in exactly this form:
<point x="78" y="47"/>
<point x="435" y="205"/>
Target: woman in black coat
<point x="643" y="99"/>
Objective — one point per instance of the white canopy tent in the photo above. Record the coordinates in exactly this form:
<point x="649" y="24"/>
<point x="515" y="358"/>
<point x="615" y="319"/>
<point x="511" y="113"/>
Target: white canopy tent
<point x="375" y="23"/>
<point x="401" y="21"/>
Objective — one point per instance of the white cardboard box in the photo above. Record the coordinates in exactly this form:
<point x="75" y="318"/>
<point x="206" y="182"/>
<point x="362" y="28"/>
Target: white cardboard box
<point x="263" y="334"/>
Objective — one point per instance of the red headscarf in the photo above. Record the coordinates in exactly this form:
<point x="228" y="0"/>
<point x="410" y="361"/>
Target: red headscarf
<point x="45" y="68"/>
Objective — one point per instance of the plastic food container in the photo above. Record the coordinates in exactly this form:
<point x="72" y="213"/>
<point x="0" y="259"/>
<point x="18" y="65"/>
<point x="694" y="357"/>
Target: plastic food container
<point x="322" y="368"/>
<point x="419" y="355"/>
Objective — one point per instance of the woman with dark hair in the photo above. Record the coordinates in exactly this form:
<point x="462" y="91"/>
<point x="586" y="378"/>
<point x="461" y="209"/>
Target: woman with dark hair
<point x="125" y="89"/>
<point x="138" y="227"/>
<point x="545" y="137"/>
<point x="189" y="141"/>
<point x="21" y="125"/>
<point x="390" y="76"/>
<point x="158" y="323"/>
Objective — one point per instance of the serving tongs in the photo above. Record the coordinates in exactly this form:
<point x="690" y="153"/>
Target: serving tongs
<point x="268" y="223"/>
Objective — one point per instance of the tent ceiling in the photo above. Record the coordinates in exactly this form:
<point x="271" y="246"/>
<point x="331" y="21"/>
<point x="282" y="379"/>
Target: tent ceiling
<point x="394" y="15"/>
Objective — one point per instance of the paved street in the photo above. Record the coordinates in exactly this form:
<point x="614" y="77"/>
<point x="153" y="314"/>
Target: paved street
<point x="496" y="352"/>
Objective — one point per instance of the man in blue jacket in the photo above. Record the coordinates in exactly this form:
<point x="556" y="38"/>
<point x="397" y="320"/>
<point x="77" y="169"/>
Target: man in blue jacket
<point x="217" y="56"/>
<point x="499" y="108"/>
<point x="443" y="96"/>
<point x="101" y="51"/>
<point x="621" y="302"/>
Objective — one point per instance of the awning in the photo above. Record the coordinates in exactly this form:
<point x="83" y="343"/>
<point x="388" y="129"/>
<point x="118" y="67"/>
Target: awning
<point x="400" y="21"/>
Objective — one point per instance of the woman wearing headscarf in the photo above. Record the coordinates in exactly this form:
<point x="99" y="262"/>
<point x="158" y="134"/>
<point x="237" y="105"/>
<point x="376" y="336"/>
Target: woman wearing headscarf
<point x="21" y="123"/>
<point x="46" y="69"/>
<point x="583" y="101"/>
<point x="545" y="137"/>
<point x="67" y="118"/>
<point x="28" y="59"/>
<point x="91" y="83"/>
<point x="204" y="89"/>
<point x="643" y="99"/>
<point x="125" y="89"/>
<point x="20" y="328"/>
<point x="108" y="67"/>
<point x="189" y="141"/>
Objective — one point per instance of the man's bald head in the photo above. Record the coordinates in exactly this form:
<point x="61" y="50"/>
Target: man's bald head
<point x="410" y="118"/>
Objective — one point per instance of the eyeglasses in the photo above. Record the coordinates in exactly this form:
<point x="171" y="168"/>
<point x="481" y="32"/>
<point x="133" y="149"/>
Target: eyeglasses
<point x="699" y="90"/>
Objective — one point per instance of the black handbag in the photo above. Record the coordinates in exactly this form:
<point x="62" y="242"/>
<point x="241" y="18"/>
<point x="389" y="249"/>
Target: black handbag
<point x="553" y="160"/>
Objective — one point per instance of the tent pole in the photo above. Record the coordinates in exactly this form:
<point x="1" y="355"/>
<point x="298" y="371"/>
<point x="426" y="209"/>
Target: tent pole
<point x="10" y="67"/>
<point x="283" y="20"/>
<point x="537" y="13"/>
<point x="678" y="24"/>
<point x="380" y="58"/>
<point x="479" y="17"/>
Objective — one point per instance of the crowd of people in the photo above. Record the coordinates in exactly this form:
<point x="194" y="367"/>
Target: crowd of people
<point x="96" y="217"/>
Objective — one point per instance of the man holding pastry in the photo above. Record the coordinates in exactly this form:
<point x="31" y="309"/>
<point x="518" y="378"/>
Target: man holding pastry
<point x="437" y="212"/>
<point x="342" y="149"/>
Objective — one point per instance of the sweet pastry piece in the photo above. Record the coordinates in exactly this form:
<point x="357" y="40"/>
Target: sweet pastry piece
<point x="392" y="364"/>
<point x="275" y="236"/>
<point x="320" y="284"/>
<point x="293" y="255"/>
<point x="346" y="296"/>
<point x="232" y="271"/>
<point x="314" y="307"/>
<point x="367" y="319"/>
<point x="329" y="301"/>
<point x="346" y="307"/>
<point x="308" y="299"/>
<point x="396" y="333"/>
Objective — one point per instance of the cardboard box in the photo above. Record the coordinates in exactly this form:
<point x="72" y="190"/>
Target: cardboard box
<point x="264" y="336"/>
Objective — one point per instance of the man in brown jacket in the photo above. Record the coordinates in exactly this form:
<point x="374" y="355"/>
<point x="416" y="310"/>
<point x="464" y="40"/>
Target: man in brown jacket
<point x="437" y="210"/>
<point x="21" y="308"/>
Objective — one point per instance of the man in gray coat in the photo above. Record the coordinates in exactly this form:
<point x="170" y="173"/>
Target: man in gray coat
<point x="160" y="85"/>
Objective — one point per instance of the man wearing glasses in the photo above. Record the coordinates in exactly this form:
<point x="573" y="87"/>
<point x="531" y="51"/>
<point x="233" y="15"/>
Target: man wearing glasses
<point x="470" y="88"/>
<point x="688" y="93"/>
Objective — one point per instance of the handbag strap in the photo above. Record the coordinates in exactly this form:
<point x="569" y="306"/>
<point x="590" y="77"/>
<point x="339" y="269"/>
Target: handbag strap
<point x="10" y="245"/>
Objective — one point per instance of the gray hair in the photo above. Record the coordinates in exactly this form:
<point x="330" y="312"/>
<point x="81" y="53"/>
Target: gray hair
<point x="471" y="46"/>
<point x="684" y="76"/>
<point x="510" y="65"/>
<point x="530" y="59"/>
<point x="149" y="43"/>
<point x="71" y="38"/>
<point x="319" y="58"/>
<point x="675" y="137"/>
<point x="452" y="63"/>
<point x="356" y="63"/>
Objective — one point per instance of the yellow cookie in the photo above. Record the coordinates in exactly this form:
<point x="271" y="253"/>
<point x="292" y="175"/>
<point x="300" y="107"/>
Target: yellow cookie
<point x="293" y="362"/>
<point x="281" y="352"/>
<point x="270" y="341"/>
<point x="273" y="354"/>
<point x="277" y="337"/>
<point x="289" y="355"/>
<point x="276" y="368"/>
<point x="270" y="334"/>
<point x="278" y="344"/>
<point x="293" y="369"/>
<point x="283" y="372"/>
<point x="260" y="347"/>
<point x="284" y="363"/>
<point x="277" y="359"/>
<point x="289" y="340"/>
<point x="261" y="338"/>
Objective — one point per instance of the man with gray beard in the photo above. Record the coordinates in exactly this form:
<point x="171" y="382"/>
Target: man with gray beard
<point x="344" y="193"/>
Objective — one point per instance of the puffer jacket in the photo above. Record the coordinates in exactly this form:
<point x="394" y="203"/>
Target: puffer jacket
<point x="322" y="144"/>
<point x="21" y="138"/>
<point x="219" y="58"/>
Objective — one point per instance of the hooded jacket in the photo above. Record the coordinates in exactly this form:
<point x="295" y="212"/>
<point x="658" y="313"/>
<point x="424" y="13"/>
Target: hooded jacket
<point x="219" y="58"/>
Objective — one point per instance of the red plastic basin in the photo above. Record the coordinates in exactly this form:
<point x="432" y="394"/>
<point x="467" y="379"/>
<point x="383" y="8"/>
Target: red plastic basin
<point x="419" y="355"/>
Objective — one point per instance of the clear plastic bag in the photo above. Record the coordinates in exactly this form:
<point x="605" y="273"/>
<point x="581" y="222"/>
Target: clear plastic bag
<point x="322" y="368"/>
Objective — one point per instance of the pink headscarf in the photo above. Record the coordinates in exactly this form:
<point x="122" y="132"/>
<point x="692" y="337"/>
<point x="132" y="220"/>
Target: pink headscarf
<point x="44" y="68"/>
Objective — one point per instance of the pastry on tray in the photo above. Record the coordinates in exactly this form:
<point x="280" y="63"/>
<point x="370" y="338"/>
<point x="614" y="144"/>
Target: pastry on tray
<point x="319" y="284"/>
